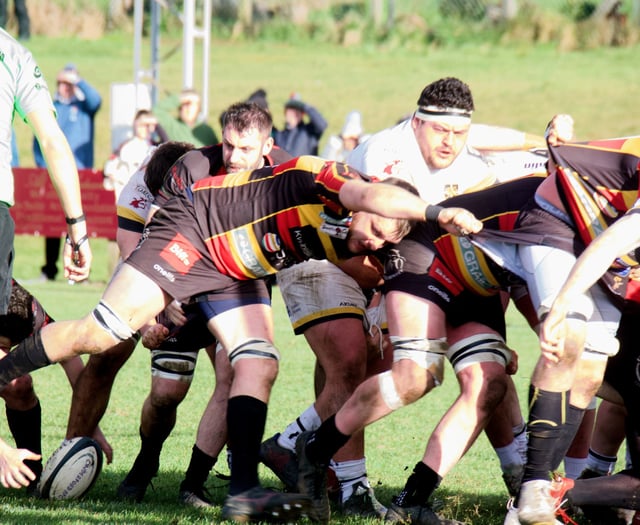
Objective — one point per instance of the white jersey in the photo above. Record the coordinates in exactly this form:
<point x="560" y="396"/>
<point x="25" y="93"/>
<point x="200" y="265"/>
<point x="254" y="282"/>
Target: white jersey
<point x="394" y="152"/>
<point x="23" y="90"/>
<point x="131" y="155"/>
<point x="134" y="203"/>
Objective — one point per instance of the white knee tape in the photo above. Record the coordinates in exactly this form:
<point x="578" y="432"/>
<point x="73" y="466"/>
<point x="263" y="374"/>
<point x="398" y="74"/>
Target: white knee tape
<point x="388" y="391"/>
<point x="254" y="349"/>
<point x="479" y="348"/>
<point x="109" y="321"/>
<point x="177" y="366"/>
<point x="426" y="353"/>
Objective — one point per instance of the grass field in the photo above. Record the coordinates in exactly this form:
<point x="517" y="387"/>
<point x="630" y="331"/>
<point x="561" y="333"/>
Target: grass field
<point x="516" y="86"/>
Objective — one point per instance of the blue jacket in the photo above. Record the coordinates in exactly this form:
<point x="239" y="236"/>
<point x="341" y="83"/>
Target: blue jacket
<point x="305" y="137"/>
<point x="75" y="118"/>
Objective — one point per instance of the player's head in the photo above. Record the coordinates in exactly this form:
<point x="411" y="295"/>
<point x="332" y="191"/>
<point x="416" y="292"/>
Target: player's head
<point x="163" y="157"/>
<point x="246" y="136"/>
<point x="441" y="122"/>
<point x="369" y="232"/>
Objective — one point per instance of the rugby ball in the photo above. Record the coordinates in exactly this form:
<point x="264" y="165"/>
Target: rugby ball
<point x="71" y="470"/>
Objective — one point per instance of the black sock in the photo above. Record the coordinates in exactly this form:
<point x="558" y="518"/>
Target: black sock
<point x="569" y="429"/>
<point x="198" y="470"/>
<point x="325" y="442"/>
<point x="545" y="429"/>
<point x="148" y="459"/>
<point x="28" y="356"/>
<point x="26" y="429"/>
<point x="419" y="487"/>
<point x="246" y="418"/>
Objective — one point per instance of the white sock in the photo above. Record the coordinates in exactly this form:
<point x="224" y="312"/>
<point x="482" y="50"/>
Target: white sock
<point x="308" y="420"/>
<point x="521" y="441"/>
<point x="509" y="456"/>
<point x="349" y="473"/>
<point x="603" y="465"/>
<point x="573" y="467"/>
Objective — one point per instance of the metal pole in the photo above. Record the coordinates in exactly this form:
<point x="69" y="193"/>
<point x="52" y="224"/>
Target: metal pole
<point x="187" y="43"/>
<point x="206" y="48"/>
<point x="138" y="14"/>
<point x="155" y="51"/>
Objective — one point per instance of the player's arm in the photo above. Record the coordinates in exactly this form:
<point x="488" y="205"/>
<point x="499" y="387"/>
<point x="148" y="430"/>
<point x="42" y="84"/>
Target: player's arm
<point x="72" y="368"/>
<point x="365" y="270"/>
<point x="489" y="138"/>
<point x="619" y="239"/>
<point x="64" y="177"/>
<point x="396" y="203"/>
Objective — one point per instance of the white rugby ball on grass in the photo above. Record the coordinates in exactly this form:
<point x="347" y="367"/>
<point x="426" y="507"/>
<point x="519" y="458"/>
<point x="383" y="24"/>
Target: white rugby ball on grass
<point x="71" y="470"/>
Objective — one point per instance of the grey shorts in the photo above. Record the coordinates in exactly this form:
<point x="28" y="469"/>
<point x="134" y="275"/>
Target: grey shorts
<point x="317" y="291"/>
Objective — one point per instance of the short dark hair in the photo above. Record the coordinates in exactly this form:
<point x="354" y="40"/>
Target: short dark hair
<point x="161" y="160"/>
<point x="244" y="115"/>
<point x="447" y="92"/>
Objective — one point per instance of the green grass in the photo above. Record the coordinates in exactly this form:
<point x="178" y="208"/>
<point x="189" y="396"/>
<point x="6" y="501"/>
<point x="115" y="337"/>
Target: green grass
<point x="473" y="491"/>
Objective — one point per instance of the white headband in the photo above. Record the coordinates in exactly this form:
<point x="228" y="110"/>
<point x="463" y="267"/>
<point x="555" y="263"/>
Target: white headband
<point x="452" y="116"/>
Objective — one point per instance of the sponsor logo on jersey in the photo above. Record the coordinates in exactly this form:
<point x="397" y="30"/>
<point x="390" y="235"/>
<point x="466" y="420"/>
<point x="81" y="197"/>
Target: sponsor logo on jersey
<point x="473" y="264"/>
<point x="391" y="168"/>
<point x="165" y="273"/>
<point x="138" y="204"/>
<point x="443" y="276"/>
<point x="180" y="254"/>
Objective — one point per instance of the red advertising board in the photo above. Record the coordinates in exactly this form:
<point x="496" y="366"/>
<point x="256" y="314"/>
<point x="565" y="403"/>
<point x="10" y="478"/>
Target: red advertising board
<point x="38" y="212"/>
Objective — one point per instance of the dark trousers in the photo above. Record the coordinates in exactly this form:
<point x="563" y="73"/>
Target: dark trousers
<point x="22" y="16"/>
<point x="51" y="254"/>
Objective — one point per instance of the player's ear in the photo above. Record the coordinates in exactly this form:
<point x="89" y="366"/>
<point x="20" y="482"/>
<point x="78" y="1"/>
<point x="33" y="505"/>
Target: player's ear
<point x="268" y="146"/>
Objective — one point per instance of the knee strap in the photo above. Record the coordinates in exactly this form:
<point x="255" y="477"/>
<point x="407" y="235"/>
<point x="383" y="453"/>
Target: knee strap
<point x="581" y="308"/>
<point x="479" y="348"/>
<point x="254" y="349"/>
<point x="426" y="353"/>
<point x="110" y="321"/>
<point x="176" y="366"/>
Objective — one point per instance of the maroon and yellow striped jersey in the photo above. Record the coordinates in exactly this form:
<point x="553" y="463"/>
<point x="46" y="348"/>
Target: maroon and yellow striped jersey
<point x="598" y="181"/>
<point x="200" y="163"/>
<point x="256" y="222"/>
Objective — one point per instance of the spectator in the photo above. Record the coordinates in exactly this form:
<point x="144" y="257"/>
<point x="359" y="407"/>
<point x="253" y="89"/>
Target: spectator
<point x="340" y="146"/>
<point x="188" y="126"/>
<point x="76" y="103"/>
<point x="129" y="156"/>
<point x="299" y="137"/>
<point x="22" y="15"/>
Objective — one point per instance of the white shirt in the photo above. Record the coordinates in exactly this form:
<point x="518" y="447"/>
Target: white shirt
<point x="24" y="89"/>
<point x="394" y="152"/>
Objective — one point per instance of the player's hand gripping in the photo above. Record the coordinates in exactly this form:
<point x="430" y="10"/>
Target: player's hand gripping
<point x="458" y="221"/>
